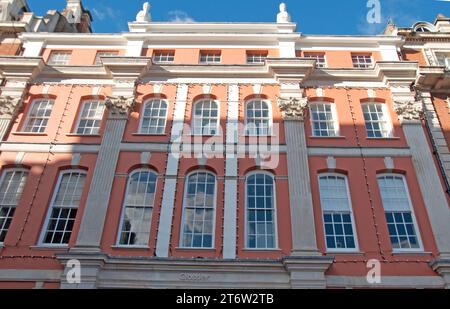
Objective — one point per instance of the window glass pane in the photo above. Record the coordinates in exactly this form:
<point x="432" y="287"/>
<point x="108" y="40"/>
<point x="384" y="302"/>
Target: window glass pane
<point x="154" y="117"/>
<point x="258" y="121"/>
<point x="322" y="120"/>
<point x="198" y="211"/>
<point x="59" y="58"/>
<point x="376" y="122"/>
<point x="11" y="189"/>
<point x="91" y="117"/>
<point x="260" y="212"/>
<point x="205" y="118"/>
<point x="38" y="116"/>
<point x="64" y="206"/>
<point x="99" y="55"/>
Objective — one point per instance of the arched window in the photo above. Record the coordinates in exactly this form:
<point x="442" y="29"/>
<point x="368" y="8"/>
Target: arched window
<point x="38" y="116"/>
<point x="337" y="212"/>
<point x="137" y="208"/>
<point x="258" y="118"/>
<point x="11" y="187"/>
<point x="400" y="219"/>
<point x="199" y="205"/>
<point x="205" y="117"/>
<point x="90" y="118"/>
<point x="260" y="211"/>
<point x="377" y="120"/>
<point x="63" y="207"/>
<point x="323" y="119"/>
<point x="154" y="117"/>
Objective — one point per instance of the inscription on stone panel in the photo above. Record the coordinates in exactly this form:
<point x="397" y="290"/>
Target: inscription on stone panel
<point x="193" y="277"/>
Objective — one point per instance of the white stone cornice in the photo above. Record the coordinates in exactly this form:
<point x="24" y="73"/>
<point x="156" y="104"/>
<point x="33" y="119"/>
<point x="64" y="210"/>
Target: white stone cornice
<point x="293" y="108"/>
<point x="20" y="68"/>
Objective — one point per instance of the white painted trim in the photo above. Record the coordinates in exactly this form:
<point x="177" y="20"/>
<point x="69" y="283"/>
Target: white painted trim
<point x="275" y="211"/>
<point x="411" y="207"/>
<point x="349" y="198"/>
<point x="55" y="190"/>
<point x="122" y="212"/>
<point x="183" y="213"/>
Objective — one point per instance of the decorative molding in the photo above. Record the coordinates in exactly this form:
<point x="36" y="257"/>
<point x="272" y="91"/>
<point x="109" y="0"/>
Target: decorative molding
<point x="408" y="110"/>
<point x="120" y="104"/>
<point x="389" y="163"/>
<point x="331" y="162"/>
<point x="293" y="108"/>
<point x="9" y="105"/>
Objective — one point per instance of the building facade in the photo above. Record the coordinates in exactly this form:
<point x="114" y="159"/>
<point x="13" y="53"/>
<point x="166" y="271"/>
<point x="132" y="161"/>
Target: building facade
<point x="223" y="155"/>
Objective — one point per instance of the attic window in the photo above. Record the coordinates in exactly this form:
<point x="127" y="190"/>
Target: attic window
<point x="422" y="29"/>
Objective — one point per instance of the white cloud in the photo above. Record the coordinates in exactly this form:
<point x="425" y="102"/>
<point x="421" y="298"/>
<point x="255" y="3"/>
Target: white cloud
<point x="103" y="12"/>
<point x="178" y="16"/>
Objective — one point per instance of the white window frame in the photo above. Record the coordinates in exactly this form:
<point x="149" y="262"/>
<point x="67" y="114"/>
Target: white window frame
<point x="79" y="118"/>
<point x="119" y="232"/>
<point x="252" y="55"/>
<point x="386" y="118"/>
<point x="183" y="213"/>
<point x="275" y="211"/>
<point x="210" y="57"/>
<point x="55" y="190"/>
<point x="413" y="216"/>
<point x="193" y="121"/>
<point x="2" y="179"/>
<point x="169" y="55"/>
<point x="270" y="124"/>
<point x="58" y="62"/>
<point x="104" y="53"/>
<point x="27" y="118"/>
<point x="317" y="56"/>
<point x="355" y="234"/>
<point x="333" y="114"/>
<point x="141" y="120"/>
<point x="359" y="63"/>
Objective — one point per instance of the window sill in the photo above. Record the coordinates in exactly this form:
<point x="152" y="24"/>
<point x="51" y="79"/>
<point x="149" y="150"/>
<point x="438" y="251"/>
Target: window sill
<point x="325" y="137"/>
<point x="342" y="252"/>
<point x="120" y="247"/>
<point x="415" y="252"/>
<point x="50" y="247"/>
<point x="195" y="249"/>
<point x="29" y="133"/>
<point x="83" y="135"/>
<point x="383" y="138"/>
<point x="149" y="134"/>
<point x="262" y="250"/>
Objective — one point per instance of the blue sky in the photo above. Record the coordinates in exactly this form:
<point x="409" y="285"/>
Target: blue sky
<point x="312" y="16"/>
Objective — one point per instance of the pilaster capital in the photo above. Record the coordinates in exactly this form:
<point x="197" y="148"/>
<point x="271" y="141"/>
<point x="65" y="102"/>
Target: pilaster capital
<point x="9" y="106"/>
<point x="408" y="109"/>
<point x="120" y="105"/>
<point x="293" y="108"/>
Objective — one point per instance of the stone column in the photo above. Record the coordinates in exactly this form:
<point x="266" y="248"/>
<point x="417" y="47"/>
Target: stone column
<point x="231" y="175"/>
<point x="8" y="110"/>
<point x="92" y="224"/>
<point x="170" y="183"/>
<point x="409" y="112"/>
<point x="306" y="265"/>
